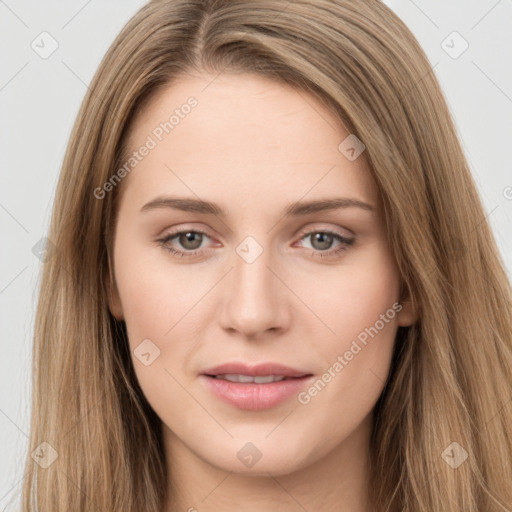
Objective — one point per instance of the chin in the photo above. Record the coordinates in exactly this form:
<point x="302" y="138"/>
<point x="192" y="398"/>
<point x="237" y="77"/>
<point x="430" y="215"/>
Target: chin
<point x="259" y="457"/>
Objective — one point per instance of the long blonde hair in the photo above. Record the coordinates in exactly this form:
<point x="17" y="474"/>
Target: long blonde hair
<point x="451" y="377"/>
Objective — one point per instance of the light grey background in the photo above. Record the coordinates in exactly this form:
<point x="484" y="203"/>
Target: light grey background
<point x="40" y="97"/>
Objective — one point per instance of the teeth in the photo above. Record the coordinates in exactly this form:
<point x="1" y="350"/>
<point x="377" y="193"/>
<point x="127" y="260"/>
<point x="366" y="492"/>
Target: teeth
<point x="267" y="379"/>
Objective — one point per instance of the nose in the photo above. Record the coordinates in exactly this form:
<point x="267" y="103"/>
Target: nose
<point x="255" y="302"/>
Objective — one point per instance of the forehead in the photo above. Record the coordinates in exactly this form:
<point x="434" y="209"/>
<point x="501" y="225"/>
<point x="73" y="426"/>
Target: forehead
<point x="242" y="131"/>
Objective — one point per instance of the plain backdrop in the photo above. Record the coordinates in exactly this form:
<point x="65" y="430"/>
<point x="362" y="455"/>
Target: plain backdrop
<point x="469" y="44"/>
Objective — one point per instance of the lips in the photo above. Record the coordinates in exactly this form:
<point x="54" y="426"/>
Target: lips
<point x="267" y="379"/>
<point x="259" y="370"/>
<point x="254" y="388"/>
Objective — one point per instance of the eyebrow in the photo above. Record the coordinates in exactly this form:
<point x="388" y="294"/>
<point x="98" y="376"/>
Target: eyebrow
<point x="294" y="209"/>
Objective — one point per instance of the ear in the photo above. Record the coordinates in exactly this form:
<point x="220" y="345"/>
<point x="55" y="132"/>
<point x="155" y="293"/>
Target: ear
<point x="409" y="313"/>
<point x="114" y="300"/>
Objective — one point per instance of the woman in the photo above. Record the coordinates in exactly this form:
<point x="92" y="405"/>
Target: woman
<point x="340" y="338"/>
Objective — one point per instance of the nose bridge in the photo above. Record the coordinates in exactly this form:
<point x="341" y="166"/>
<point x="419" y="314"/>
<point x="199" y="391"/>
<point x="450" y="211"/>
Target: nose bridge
<point x="253" y="279"/>
<point x="254" y="302"/>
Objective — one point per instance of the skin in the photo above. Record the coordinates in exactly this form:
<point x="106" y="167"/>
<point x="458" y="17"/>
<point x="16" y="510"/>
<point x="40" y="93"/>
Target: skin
<point x="253" y="146"/>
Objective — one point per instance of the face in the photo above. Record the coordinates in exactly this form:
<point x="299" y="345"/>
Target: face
<point x="225" y="252"/>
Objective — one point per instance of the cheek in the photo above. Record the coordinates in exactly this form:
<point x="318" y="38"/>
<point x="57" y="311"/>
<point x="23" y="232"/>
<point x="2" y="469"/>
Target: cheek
<point x="360" y="304"/>
<point x="155" y="293"/>
<point x="158" y="301"/>
<point x="159" y="332"/>
<point x="356" y="366"/>
<point x="356" y="294"/>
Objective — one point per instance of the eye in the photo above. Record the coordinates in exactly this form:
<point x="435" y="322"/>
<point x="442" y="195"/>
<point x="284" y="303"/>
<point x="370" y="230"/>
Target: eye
<point x="322" y="241"/>
<point x="190" y="240"/>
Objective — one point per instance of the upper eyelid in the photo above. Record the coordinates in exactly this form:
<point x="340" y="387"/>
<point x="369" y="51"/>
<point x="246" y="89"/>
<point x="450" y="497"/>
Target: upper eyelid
<point x="308" y="231"/>
<point x="298" y="232"/>
<point x="304" y="231"/>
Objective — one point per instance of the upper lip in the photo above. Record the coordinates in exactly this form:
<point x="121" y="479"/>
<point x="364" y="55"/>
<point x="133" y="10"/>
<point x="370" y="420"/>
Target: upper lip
<point x="255" y="370"/>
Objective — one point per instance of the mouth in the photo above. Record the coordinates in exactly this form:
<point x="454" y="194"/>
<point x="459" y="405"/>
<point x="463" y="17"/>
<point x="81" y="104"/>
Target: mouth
<point x="260" y="379"/>
<point x="254" y="388"/>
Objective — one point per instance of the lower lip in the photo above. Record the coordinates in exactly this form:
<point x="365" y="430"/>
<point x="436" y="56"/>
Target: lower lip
<point x="255" y="397"/>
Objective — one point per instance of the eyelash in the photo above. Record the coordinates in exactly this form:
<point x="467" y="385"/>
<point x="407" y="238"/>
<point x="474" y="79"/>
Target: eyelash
<point x="345" y="243"/>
